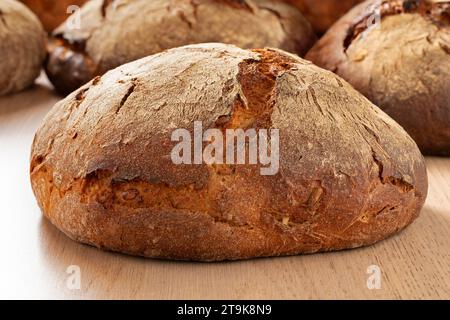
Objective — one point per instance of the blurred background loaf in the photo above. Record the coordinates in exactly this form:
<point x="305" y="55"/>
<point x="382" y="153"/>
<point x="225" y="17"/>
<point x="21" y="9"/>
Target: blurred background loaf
<point x="52" y="12"/>
<point x="323" y="13"/>
<point x="401" y="64"/>
<point x="22" y="47"/>
<point x="116" y="32"/>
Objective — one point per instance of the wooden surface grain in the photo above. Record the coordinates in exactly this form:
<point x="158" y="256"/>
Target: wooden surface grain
<point x="35" y="256"/>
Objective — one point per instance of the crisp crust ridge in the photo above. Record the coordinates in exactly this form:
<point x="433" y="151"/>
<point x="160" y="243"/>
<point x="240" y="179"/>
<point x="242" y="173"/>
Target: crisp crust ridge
<point x="144" y="205"/>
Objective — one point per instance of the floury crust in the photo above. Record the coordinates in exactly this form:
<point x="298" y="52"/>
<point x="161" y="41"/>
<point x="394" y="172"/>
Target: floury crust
<point x="22" y="47"/>
<point x="78" y="55"/>
<point x="401" y="63"/>
<point x="230" y="146"/>
<point x="101" y="169"/>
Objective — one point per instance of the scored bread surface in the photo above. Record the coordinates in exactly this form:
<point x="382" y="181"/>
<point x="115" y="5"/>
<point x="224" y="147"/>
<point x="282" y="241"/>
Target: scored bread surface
<point x="116" y="32"/>
<point x="102" y="173"/>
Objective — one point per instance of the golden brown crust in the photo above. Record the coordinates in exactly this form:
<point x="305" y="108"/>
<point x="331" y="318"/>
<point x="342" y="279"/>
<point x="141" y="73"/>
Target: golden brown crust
<point x="52" y="12"/>
<point x="101" y="168"/>
<point x="76" y="56"/>
<point x="22" y="47"/>
<point x="400" y="65"/>
<point x="323" y="13"/>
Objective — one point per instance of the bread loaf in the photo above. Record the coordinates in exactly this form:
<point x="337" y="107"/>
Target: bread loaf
<point x="116" y="32"/>
<point x="102" y="168"/>
<point x="22" y="47"/>
<point x="323" y="13"/>
<point x="52" y="12"/>
<point x="397" y="53"/>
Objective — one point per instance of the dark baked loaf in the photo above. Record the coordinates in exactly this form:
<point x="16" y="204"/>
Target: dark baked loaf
<point x="52" y="12"/>
<point x="115" y="32"/>
<point x="401" y="64"/>
<point x="323" y="13"/>
<point x="22" y="47"/>
<point x="102" y="172"/>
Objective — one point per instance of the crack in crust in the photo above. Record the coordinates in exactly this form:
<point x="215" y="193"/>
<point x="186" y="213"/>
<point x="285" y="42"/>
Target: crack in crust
<point x="105" y="5"/>
<point x="101" y="188"/>
<point x="3" y="19"/>
<point x="127" y="95"/>
<point x="258" y="80"/>
<point x="437" y="12"/>
<point x="400" y="183"/>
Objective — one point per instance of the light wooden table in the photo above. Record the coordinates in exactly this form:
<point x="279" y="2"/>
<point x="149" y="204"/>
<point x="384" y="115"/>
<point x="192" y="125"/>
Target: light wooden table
<point x="35" y="255"/>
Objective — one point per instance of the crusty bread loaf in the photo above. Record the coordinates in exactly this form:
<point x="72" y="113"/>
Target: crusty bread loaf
<point x="22" y="47"/>
<point x="402" y="64"/>
<point x="102" y="172"/>
<point x="115" y="32"/>
<point x="323" y="13"/>
<point x="52" y="12"/>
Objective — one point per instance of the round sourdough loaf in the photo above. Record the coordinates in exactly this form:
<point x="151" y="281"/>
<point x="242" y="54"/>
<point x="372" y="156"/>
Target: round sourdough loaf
<point x="52" y="12"/>
<point x="115" y="32"/>
<point x="102" y="171"/>
<point x="22" y="47"/>
<point x="397" y="53"/>
<point x="323" y="13"/>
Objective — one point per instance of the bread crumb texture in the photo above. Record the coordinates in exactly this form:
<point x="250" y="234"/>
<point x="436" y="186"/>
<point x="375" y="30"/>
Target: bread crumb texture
<point x="102" y="173"/>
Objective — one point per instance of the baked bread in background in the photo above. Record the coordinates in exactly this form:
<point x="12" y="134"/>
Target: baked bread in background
<point x="402" y="64"/>
<point x="116" y="32"/>
<point x="22" y="46"/>
<point x="102" y="173"/>
<point x="52" y="12"/>
<point x="323" y="13"/>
